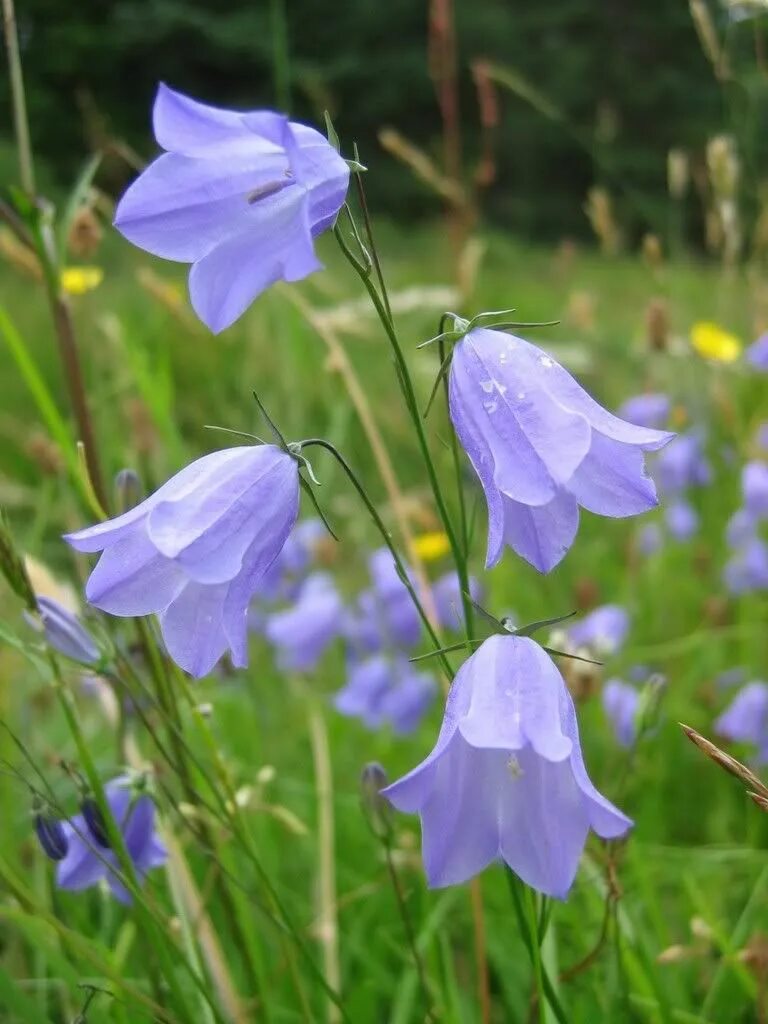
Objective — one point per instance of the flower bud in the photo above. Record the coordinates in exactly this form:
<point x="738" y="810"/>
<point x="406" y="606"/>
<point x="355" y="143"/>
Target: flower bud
<point x="94" y="819"/>
<point x="51" y="835"/>
<point x="128" y="490"/>
<point x="376" y="808"/>
<point x="64" y="632"/>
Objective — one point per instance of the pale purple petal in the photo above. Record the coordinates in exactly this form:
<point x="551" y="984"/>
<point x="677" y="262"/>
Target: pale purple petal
<point x="192" y="627"/>
<point x="131" y="578"/>
<point x="543" y="534"/>
<point x="611" y="481"/>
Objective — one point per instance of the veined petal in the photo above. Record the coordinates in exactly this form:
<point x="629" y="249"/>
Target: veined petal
<point x="81" y="867"/>
<point x="612" y="480"/>
<point x="322" y="172"/>
<point x="131" y="578"/>
<point x="192" y="627"/>
<point x="542" y="534"/>
<point x="275" y="245"/>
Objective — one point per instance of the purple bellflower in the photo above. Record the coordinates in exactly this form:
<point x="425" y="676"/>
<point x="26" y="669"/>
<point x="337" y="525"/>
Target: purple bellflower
<point x="195" y="551"/>
<point x="757" y="354"/>
<point x="646" y="410"/>
<point x="747" y="570"/>
<point x="65" y="632"/>
<point x="604" y="630"/>
<point x="506" y="778"/>
<point x="408" y="699"/>
<point x="390" y="602"/>
<point x="542" y="447"/>
<point x="303" y="633"/>
<point x="239" y="195"/>
<point x="650" y="539"/>
<point x="740" y="528"/>
<point x="446" y="592"/>
<point x="761" y="437"/>
<point x="682" y="520"/>
<point x="754" y="488"/>
<point x="745" y="720"/>
<point x="88" y="860"/>
<point x="620" y="703"/>
<point x="682" y="464"/>
<point x="362" y="695"/>
<point x="386" y="690"/>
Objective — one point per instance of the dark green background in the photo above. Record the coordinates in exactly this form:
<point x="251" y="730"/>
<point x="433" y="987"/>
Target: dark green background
<point x="366" y="61"/>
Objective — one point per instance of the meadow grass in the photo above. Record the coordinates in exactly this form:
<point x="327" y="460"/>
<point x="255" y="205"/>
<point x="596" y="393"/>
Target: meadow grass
<point x="667" y="927"/>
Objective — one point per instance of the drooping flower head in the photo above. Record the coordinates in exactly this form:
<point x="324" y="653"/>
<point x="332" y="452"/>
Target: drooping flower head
<point x="747" y="570"/>
<point x="193" y="552"/>
<point x="302" y="634"/>
<point x="90" y="860"/>
<point x="239" y="195"/>
<point x="754" y="488"/>
<point x="603" y="631"/>
<point x="65" y="632"/>
<point x="647" y="410"/>
<point x="740" y="528"/>
<point x="506" y="778"/>
<point x="386" y="690"/>
<point x="682" y="465"/>
<point x="746" y="718"/>
<point x="542" y="447"/>
<point x="620" y="702"/>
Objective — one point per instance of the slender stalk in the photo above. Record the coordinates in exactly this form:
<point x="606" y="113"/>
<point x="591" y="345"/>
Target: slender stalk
<point x="18" y="99"/>
<point x="530" y="899"/>
<point x="327" y="920"/>
<point x="280" y="59"/>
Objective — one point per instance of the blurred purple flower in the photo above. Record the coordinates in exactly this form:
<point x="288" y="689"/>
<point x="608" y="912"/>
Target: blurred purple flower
<point x="390" y="603"/>
<point x="195" y="551"/>
<point x="682" y="464"/>
<point x="730" y="677"/>
<point x="408" y="699"/>
<point x="604" y="630"/>
<point x="754" y="488"/>
<point x="745" y="720"/>
<point x="87" y="862"/>
<point x="757" y="354"/>
<point x="620" y="702"/>
<point x="240" y="195"/>
<point x="650" y="539"/>
<point x="506" y="777"/>
<point x="761" y="437"/>
<point x="542" y="447"/>
<point x="682" y="520"/>
<point x="741" y="528"/>
<point x="747" y="569"/>
<point x="64" y="631"/>
<point x="646" y="410"/>
<point x="367" y="683"/>
<point x="302" y="633"/>
<point x="446" y="592"/>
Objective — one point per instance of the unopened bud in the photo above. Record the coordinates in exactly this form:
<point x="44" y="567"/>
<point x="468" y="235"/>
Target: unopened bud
<point x="95" y="822"/>
<point x="128" y="490"/>
<point x="376" y="808"/>
<point x="51" y="835"/>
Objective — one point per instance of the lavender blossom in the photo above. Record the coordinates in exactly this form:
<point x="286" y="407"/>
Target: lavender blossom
<point x="757" y="354"/>
<point x="239" y="195"/>
<point x="620" y="702"/>
<point x="650" y="539"/>
<point x="604" y="630"/>
<point x="754" y="488"/>
<point x="747" y="569"/>
<point x="746" y="718"/>
<point x="303" y="633"/>
<point x="367" y="683"/>
<point x="446" y="592"/>
<point x="740" y="528"/>
<point x="506" y="778"/>
<point x="646" y="410"/>
<point x="408" y="699"/>
<point x="88" y="862"/>
<point x="391" y="602"/>
<point x="195" y="551"/>
<point x="65" y="632"/>
<point x="542" y="447"/>
<point x="682" y="465"/>
<point x="682" y="520"/>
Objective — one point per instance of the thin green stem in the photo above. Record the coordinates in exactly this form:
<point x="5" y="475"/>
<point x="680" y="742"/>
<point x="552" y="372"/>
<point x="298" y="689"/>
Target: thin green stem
<point x="18" y="99"/>
<point x="533" y="927"/>
<point x="280" y="60"/>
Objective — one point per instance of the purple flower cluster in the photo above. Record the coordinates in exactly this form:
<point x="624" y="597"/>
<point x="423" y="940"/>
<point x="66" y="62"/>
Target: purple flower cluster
<point x="746" y="719"/>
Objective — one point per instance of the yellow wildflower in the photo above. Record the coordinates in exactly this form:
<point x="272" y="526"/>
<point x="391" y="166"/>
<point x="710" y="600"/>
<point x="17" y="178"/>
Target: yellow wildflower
<point x="79" y="280"/>
<point x="431" y="546"/>
<point x="713" y="342"/>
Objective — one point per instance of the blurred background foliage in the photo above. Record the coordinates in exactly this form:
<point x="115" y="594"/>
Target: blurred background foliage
<point x="602" y="90"/>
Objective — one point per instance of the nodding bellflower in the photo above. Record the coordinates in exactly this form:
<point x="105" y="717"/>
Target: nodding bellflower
<point x="239" y="195"/>
<point x="65" y="632"/>
<point x="682" y="520"/>
<point x="506" y="778"/>
<point x="682" y="464"/>
<point x="620" y="703"/>
<point x="542" y="447"/>
<point x="747" y="569"/>
<point x="745" y="720"/>
<point x="383" y="690"/>
<point x="650" y="409"/>
<point x="194" y="552"/>
<point x="754" y="488"/>
<point x="604" y="630"/>
<point x="87" y="861"/>
<point x="301" y="634"/>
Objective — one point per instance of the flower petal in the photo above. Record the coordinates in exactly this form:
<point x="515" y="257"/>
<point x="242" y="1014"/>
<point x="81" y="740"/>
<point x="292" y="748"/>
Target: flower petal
<point x="612" y="480"/>
<point x="542" y="534"/>
<point x="322" y="172"/>
<point x="192" y="627"/>
<point x="131" y="578"/>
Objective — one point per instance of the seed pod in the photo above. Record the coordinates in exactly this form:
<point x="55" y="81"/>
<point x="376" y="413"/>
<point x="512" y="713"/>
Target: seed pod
<point x="52" y="837"/>
<point x="94" y="819"/>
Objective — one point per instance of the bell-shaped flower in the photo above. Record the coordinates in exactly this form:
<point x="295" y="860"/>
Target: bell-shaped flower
<point x="408" y="699"/>
<point x="603" y="631"/>
<point x="65" y="632"/>
<point x="682" y="464"/>
<point x="542" y="447"/>
<point x="367" y="683"/>
<point x="446" y="593"/>
<point x="390" y="602"/>
<point x="302" y="634"/>
<point x="647" y="410"/>
<point x="757" y="354"/>
<point x="506" y="778"/>
<point x="239" y="195"/>
<point x="682" y="520"/>
<point x="386" y="690"/>
<point x="740" y="528"/>
<point x="745" y="720"/>
<point x="88" y="860"/>
<point x="747" y="570"/>
<point x="620" y="703"/>
<point x="194" y="552"/>
<point x="754" y="489"/>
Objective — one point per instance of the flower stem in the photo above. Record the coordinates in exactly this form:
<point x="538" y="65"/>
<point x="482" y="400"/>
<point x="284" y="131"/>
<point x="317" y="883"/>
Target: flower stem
<point x="18" y="99"/>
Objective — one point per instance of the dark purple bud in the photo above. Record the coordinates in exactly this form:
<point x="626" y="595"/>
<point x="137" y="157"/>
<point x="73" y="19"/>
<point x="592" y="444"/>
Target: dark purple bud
<point x="94" y="819"/>
<point x="52" y="837"/>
